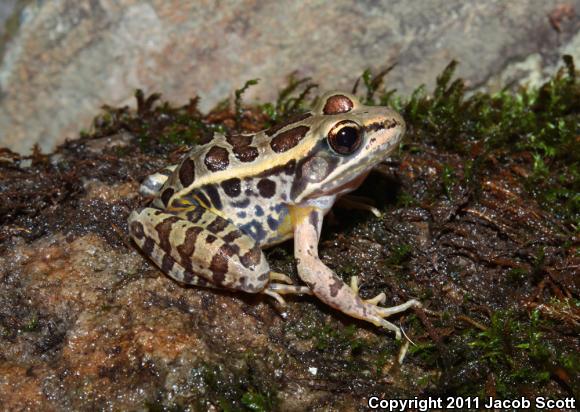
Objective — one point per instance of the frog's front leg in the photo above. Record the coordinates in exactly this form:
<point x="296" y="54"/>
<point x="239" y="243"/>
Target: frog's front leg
<point x="325" y="284"/>
<point x="198" y="247"/>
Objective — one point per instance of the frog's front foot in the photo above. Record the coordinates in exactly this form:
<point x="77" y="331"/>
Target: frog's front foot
<point x="376" y="314"/>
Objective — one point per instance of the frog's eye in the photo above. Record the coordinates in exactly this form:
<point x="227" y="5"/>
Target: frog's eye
<point x="345" y="138"/>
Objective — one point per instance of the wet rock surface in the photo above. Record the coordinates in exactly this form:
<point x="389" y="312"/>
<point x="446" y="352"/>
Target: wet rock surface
<point x="477" y="223"/>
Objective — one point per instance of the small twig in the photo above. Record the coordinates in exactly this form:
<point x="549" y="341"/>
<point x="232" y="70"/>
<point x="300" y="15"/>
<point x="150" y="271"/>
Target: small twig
<point x="472" y="322"/>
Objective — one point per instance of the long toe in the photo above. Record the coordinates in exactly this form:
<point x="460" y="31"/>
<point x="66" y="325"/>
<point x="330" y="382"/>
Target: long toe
<point x="379" y="299"/>
<point x="386" y="312"/>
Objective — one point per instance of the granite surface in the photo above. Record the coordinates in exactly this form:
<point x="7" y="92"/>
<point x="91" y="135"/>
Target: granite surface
<point x="65" y="58"/>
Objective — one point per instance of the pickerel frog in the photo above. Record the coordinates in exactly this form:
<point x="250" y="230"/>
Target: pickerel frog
<point x="227" y="199"/>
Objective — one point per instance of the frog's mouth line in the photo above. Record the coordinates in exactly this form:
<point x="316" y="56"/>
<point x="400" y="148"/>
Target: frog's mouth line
<point x="350" y="185"/>
<point x="341" y="184"/>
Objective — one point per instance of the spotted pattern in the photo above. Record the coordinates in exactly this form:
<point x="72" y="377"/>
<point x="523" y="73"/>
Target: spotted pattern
<point x="246" y="154"/>
<point x="186" y="249"/>
<point x="217" y="225"/>
<point x="288" y="169"/>
<point x="210" y="239"/>
<point x="164" y="230"/>
<point x="208" y="228"/>
<point x="137" y="230"/>
<point x="252" y="258"/>
<point x="232" y="187"/>
<point x="219" y="262"/>
<point x="239" y="140"/>
<point x="231" y="236"/>
<point x="216" y="159"/>
<point x="202" y="198"/>
<point x="148" y="246"/>
<point x="337" y="104"/>
<point x="187" y="172"/>
<point x="167" y="263"/>
<point x="214" y="196"/>
<point x="275" y="129"/>
<point x="194" y="215"/>
<point x="166" y="195"/>
<point x="335" y="286"/>
<point x="241" y="147"/>
<point x="287" y="139"/>
<point x="241" y="204"/>
<point x="266" y="188"/>
<point x="313" y="218"/>
<point x="273" y="223"/>
<point x="255" y="230"/>
<point x="389" y="124"/>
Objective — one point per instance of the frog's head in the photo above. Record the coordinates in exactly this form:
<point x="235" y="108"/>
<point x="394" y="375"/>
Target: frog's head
<point x="351" y="139"/>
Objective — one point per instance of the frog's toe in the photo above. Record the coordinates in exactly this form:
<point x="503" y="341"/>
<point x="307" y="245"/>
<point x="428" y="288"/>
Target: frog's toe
<point x="276" y="289"/>
<point x="354" y="284"/>
<point x="386" y="312"/>
<point x="289" y="289"/>
<point x="381" y="298"/>
<point x="276" y="296"/>
<point x="379" y="313"/>
<point x="280" y="277"/>
<point x="359" y="203"/>
<point x="379" y="321"/>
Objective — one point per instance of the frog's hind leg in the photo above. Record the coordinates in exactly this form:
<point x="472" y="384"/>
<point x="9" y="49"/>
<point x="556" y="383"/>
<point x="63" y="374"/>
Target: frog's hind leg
<point x="152" y="184"/>
<point x="162" y="259"/>
<point x="196" y="246"/>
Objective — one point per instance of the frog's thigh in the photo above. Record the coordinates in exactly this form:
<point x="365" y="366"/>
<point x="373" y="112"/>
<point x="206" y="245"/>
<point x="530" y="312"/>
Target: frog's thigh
<point x="199" y="242"/>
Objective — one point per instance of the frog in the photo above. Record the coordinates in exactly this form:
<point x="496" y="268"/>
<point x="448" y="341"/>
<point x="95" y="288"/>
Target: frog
<point x="239" y="193"/>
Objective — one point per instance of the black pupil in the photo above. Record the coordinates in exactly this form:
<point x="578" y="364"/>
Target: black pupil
<point x="346" y="139"/>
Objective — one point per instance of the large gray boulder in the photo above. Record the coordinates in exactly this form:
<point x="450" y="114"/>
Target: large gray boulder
<point x="65" y="58"/>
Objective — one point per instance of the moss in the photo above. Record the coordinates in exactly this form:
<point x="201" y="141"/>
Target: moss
<point x="427" y="352"/>
<point x="517" y="275"/>
<point x="291" y="99"/>
<point x="470" y="140"/>
<point x="32" y="324"/>
<point x="543" y="123"/>
<point x="399" y="255"/>
<point x="256" y="402"/>
<point x="516" y="352"/>
<point x="238" y="99"/>
<point x="480" y="222"/>
<point x="237" y="386"/>
<point x="331" y="337"/>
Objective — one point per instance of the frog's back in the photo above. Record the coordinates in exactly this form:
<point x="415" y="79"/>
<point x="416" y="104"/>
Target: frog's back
<point x="219" y="167"/>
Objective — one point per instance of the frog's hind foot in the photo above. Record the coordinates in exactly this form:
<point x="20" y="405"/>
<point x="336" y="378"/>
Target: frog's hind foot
<point x="280" y="277"/>
<point x="276" y="289"/>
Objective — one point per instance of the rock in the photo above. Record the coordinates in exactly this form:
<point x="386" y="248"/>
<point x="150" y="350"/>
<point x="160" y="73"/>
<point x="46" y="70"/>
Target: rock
<point x="68" y="58"/>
